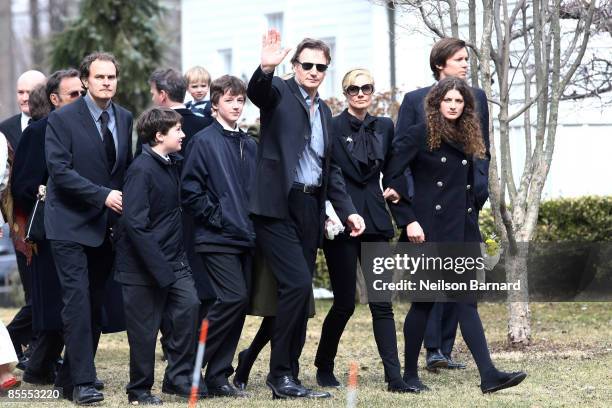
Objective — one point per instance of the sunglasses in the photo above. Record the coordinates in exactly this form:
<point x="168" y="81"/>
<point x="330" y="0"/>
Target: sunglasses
<point x="353" y="90"/>
<point x="307" y="66"/>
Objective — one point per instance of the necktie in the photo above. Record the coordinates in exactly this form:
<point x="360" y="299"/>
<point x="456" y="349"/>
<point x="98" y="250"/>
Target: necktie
<point x="109" y="142"/>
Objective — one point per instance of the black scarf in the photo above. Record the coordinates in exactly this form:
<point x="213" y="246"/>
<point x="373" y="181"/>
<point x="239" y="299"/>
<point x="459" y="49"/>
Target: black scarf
<point x="360" y="142"/>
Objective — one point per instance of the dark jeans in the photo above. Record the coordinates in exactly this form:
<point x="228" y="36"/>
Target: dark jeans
<point x="341" y="255"/>
<point x="144" y="308"/>
<point x="290" y="249"/>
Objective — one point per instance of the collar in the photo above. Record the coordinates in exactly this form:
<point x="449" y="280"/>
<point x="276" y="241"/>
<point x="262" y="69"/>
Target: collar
<point x="226" y="131"/>
<point x="24" y="119"/>
<point x="178" y="106"/>
<point x="305" y="94"/>
<point x="225" y="126"/>
<point x="94" y="108"/>
<point x="174" y="157"/>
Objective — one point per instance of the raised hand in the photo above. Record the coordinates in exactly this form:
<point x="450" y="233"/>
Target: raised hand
<point x="272" y="54"/>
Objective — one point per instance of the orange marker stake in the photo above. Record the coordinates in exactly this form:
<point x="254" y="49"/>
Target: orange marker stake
<point x="195" y="383"/>
<point x="351" y="395"/>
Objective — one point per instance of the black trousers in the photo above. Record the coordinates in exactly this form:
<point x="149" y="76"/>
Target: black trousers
<point x="290" y="249"/>
<point x="341" y="255"/>
<point x="441" y="328"/>
<point x="230" y="276"/>
<point x="471" y="330"/>
<point x="20" y="328"/>
<point x="46" y="351"/>
<point x="144" y="308"/>
<point x="83" y="272"/>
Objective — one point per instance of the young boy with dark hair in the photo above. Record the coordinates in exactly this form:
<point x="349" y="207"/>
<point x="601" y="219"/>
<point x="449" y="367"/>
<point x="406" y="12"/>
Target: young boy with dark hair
<point x="216" y="184"/>
<point x="151" y="262"/>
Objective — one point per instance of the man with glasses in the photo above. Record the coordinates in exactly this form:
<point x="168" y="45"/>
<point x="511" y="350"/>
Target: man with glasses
<point x="294" y="177"/>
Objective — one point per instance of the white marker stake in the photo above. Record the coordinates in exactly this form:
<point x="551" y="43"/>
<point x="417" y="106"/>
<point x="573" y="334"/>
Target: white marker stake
<point x="195" y="383"/>
<point x="351" y="395"/>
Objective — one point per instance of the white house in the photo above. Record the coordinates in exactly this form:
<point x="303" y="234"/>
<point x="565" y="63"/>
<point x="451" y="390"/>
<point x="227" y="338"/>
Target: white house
<point x="225" y="37"/>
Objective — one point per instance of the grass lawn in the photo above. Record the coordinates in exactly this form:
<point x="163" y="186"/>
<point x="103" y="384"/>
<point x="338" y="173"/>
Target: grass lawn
<point x="569" y="363"/>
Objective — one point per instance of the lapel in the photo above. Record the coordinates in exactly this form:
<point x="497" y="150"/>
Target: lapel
<point x="91" y="129"/>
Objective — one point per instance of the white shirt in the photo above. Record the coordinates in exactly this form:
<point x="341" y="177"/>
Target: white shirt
<point x="24" y="121"/>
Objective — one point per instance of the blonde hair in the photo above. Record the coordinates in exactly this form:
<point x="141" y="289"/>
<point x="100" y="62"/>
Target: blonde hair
<point x="351" y="76"/>
<point x="197" y="74"/>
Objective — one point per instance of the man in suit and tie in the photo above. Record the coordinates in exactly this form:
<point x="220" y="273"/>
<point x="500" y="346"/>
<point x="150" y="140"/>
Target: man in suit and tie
<point x="294" y="177"/>
<point x="88" y="148"/>
<point x="448" y="57"/>
<point x="20" y="328"/>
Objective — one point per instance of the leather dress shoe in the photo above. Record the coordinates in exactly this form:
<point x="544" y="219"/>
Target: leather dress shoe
<point x="38" y="379"/>
<point x="98" y="384"/>
<point x="146" y="398"/>
<point x="243" y="369"/>
<point x="286" y="387"/>
<point x="86" y="394"/>
<point x="314" y="394"/>
<point x="183" y="390"/>
<point x="416" y="383"/>
<point x="503" y="380"/>
<point x="452" y="364"/>
<point x="435" y="359"/>
<point x="226" y="390"/>
<point x="401" y="387"/>
<point x="22" y="362"/>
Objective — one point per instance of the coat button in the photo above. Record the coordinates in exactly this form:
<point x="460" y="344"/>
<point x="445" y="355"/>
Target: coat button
<point x="464" y="162"/>
<point x="470" y="210"/>
<point x="439" y="184"/>
<point x="443" y="159"/>
<point x="438" y="207"/>
<point x="468" y="187"/>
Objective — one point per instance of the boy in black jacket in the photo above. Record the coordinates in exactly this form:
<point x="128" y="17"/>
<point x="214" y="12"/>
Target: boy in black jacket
<point x="216" y="183"/>
<point x="151" y="262"/>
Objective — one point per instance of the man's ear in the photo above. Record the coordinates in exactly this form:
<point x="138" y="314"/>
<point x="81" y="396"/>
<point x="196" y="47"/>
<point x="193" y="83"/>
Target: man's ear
<point x="54" y="99"/>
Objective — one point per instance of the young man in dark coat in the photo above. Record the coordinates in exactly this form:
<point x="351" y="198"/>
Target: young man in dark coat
<point x="217" y="179"/>
<point x="448" y="57"/>
<point x="152" y="264"/>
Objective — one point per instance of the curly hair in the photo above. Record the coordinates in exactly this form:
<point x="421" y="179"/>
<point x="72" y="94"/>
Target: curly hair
<point x="465" y="130"/>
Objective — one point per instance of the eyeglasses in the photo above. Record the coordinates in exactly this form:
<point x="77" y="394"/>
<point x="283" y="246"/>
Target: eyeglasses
<point x="307" y="66"/>
<point x="353" y="90"/>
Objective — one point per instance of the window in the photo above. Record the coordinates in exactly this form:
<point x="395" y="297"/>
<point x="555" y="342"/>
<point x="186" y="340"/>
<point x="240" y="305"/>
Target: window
<point x="225" y="55"/>
<point x="275" y="20"/>
<point x="329" y="88"/>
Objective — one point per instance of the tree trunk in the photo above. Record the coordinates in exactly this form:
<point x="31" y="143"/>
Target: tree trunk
<point x="519" y="322"/>
<point x="7" y="77"/>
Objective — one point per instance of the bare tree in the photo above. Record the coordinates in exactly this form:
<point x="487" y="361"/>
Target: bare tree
<point x="537" y="46"/>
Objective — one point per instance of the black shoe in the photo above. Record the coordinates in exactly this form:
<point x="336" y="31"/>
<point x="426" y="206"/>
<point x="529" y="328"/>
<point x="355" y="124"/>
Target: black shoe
<point x="314" y="394"/>
<point x="435" y="359"/>
<point x="286" y="387"/>
<point x="241" y="377"/>
<point x="327" y="379"/>
<point x="415" y="382"/>
<point x="504" y="380"/>
<point x="226" y="390"/>
<point x="452" y="364"/>
<point x="38" y="379"/>
<point x="146" y="398"/>
<point x="98" y="384"/>
<point x="183" y="390"/>
<point x="86" y="394"/>
<point x="401" y="387"/>
<point x="22" y="362"/>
